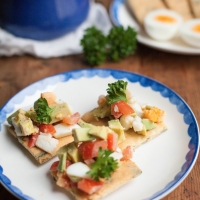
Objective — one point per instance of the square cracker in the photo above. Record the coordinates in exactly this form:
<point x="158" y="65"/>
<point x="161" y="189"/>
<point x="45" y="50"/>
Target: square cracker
<point x="126" y="171"/>
<point x="132" y="138"/>
<point x="180" y="6"/>
<point x="142" y="7"/>
<point x="40" y="155"/>
<point x="195" y="6"/>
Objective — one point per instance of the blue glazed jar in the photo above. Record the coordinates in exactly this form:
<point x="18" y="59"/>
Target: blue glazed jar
<point x="42" y="19"/>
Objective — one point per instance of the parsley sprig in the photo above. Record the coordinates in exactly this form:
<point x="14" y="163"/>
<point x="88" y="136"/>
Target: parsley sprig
<point x="118" y="44"/>
<point x="43" y="111"/>
<point x="116" y="91"/>
<point x="94" y="43"/>
<point x="121" y="42"/>
<point x="103" y="166"/>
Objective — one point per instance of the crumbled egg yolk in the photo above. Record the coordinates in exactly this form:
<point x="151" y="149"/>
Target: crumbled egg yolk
<point x="196" y="28"/>
<point x="154" y="114"/>
<point x="165" y="19"/>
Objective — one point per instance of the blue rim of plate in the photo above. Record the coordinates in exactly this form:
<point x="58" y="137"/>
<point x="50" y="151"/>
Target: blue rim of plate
<point x="182" y="107"/>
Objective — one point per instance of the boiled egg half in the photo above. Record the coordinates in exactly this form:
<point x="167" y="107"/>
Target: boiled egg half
<point x="162" y="24"/>
<point x="190" y="32"/>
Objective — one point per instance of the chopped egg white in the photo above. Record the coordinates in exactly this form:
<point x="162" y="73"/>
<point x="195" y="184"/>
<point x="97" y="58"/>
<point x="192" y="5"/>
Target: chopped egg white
<point x="190" y="32"/>
<point x="132" y="100"/>
<point x="78" y="169"/>
<point x="137" y="108"/>
<point x="137" y="124"/>
<point x="162" y="24"/>
<point x="46" y="134"/>
<point x="17" y="128"/>
<point x="63" y="130"/>
<point x="116" y="155"/>
<point x="126" y="121"/>
<point x="46" y="143"/>
<point x="116" y="109"/>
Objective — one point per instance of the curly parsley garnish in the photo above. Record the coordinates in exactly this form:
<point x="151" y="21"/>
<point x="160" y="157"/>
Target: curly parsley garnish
<point x="94" y="46"/>
<point x="103" y="166"/>
<point x="116" y="45"/>
<point x="116" y="91"/>
<point x="122" y="42"/>
<point x="43" y="111"/>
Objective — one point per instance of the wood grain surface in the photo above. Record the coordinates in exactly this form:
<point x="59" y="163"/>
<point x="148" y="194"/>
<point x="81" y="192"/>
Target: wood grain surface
<point x="179" y="72"/>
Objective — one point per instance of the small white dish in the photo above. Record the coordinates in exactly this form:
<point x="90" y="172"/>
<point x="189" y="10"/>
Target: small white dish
<point x="121" y="16"/>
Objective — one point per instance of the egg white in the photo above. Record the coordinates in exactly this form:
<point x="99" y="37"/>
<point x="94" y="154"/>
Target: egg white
<point x="162" y="31"/>
<point x="188" y="35"/>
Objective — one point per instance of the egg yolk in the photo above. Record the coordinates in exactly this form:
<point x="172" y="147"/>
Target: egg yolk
<point x="165" y="19"/>
<point x="196" y="28"/>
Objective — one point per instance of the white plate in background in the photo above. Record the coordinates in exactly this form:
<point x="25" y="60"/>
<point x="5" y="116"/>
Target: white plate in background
<point x="121" y="16"/>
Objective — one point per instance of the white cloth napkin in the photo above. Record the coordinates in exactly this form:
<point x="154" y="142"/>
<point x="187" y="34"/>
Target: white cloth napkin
<point x="65" y="45"/>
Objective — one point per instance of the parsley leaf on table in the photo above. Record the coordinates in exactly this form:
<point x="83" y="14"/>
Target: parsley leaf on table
<point x="103" y="166"/>
<point x="43" y="111"/>
<point x="121" y="42"/>
<point x="116" y="91"/>
<point x="118" y="44"/>
<point x="94" y="46"/>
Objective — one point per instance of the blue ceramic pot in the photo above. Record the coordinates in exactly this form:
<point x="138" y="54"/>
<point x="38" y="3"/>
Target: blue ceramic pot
<point x="42" y="19"/>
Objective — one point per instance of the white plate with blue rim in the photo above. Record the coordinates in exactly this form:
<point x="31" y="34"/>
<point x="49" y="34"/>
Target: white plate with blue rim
<point x="165" y="161"/>
<point x="121" y="16"/>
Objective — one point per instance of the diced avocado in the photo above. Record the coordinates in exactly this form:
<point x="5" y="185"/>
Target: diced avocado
<point x="61" y="109"/>
<point x="19" y="114"/>
<point x="143" y="132"/>
<point x="20" y="119"/>
<point x="83" y="124"/>
<point x="148" y="124"/>
<point x="100" y="131"/>
<point x="117" y="128"/>
<point x="72" y="152"/>
<point x="82" y="134"/>
<point x="26" y="126"/>
<point x="62" y="162"/>
<point x="31" y="114"/>
<point x="102" y="111"/>
<point x="62" y="150"/>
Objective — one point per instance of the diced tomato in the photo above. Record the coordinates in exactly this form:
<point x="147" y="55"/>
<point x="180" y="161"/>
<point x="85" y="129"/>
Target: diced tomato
<point x="32" y="140"/>
<point x="72" y="119"/>
<point x="63" y="181"/>
<point x="54" y="166"/>
<point x="90" y="149"/>
<point x="89" y="161"/>
<point x="47" y="128"/>
<point x="121" y="108"/>
<point x="89" y="186"/>
<point x="127" y="153"/>
<point x="112" y="141"/>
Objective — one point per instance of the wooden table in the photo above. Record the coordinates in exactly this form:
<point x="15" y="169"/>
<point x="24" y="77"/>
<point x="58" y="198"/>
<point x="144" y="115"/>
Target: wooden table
<point x="179" y="72"/>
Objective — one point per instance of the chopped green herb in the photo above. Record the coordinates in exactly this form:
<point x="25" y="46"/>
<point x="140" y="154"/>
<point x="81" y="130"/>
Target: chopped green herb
<point x="118" y="44"/>
<point x="116" y="91"/>
<point x="103" y="166"/>
<point x="94" y="46"/>
<point x="121" y="42"/>
<point x="43" y="111"/>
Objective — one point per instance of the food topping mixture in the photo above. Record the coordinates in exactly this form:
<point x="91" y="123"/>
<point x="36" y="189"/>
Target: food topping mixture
<point x="45" y="122"/>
